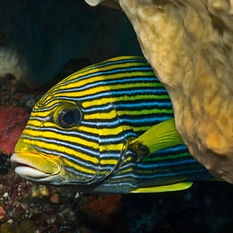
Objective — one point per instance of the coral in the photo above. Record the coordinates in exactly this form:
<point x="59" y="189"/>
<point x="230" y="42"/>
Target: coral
<point x="190" y="47"/>
<point x="2" y="213"/>
<point x="103" y="207"/>
<point x="12" y="123"/>
<point x="23" y="227"/>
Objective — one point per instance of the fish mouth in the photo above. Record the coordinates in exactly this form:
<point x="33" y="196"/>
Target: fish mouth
<point x="35" y="166"/>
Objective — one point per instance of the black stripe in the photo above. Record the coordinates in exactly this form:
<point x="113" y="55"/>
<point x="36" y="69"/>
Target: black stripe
<point x="166" y="153"/>
<point x="132" y="124"/>
<point x="167" y="169"/>
<point x="150" y="91"/>
<point x="127" y="70"/>
<point x="68" y="156"/>
<point x="58" y="143"/>
<point x="68" y="132"/>
<point x="148" y="105"/>
<point x="122" y="60"/>
<point x="134" y="79"/>
<point x="125" y="117"/>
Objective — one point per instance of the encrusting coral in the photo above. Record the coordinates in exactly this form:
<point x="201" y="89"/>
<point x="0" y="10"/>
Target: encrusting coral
<point x="190" y="47"/>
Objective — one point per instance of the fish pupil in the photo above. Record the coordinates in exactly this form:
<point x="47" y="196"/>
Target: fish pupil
<point x="69" y="118"/>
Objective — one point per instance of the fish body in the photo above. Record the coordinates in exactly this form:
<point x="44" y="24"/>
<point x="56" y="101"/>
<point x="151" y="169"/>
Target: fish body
<point x="79" y="133"/>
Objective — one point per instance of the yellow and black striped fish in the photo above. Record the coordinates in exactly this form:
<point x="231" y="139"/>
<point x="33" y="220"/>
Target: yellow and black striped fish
<point x="100" y="130"/>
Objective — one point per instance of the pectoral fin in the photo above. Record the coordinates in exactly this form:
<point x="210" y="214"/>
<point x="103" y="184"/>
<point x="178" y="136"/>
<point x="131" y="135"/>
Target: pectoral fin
<point x="158" y="137"/>
<point x="164" y="188"/>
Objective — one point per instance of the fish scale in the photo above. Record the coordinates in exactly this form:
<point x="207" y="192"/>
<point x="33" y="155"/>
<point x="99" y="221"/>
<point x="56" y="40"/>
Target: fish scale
<point x="119" y="99"/>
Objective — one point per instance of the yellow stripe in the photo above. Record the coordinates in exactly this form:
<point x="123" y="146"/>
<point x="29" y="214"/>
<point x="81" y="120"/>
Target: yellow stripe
<point x="120" y="58"/>
<point x="97" y="89"/>
<point x="100" y="89"/>
<point x="62" y="149"/>
<point x="114" y="162"/>
<point x="45" y="112"/>
<point x="34" y="123"/>
<point x="79" y="168"/>
<point x="66" y="138"/>
<point x="89" y="70"/>
<point x="101" y="116"/>
<point x="106" y="100"/>
<point x="51" y="104"/>
<point x="57" y="136"/>
<point x="41" y="114"/>
<point x="104" y="131"/>
<point x="108" y="162"/>
<point x="125" y="171"/>
<point x="108" y="115"/>
<point x="112" y="114"/>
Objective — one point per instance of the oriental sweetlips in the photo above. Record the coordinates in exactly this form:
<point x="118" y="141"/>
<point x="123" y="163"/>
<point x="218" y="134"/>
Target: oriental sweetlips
<point x="107" y="128"/>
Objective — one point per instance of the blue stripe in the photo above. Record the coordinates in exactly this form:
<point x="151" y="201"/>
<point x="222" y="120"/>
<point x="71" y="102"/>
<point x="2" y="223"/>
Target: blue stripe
<point x="127" y="184"/>
<point x="74" y="160"/>
<point x="100" y="108"/>
<point x="117" y="62"/>
<point x="75" y="172"/>
<point x="116" y="105"/>
<point x="86" y="165"/>
<point x="126" y="121"/>
<point x="69" y="133"/>
<point x="128" y="105"/>
<point x="115" y="71"/>
<point x="107" y="82"/>
<point x="108" y="94"/>
<point x="168" y="174"/>
<point x="69" y="145"/>
<point x="39" y="118"/>
<point x="146" y="104"/>
<point x="174" y="163"/>
<point x="66" y="144"/>
<point x="88" y="137"/>
<point x="180" y="147"/>
<point x="45" y="109"/>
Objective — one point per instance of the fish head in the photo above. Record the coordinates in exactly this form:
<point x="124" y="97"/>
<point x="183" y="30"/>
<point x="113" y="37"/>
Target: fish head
<point x="71" y="138"/>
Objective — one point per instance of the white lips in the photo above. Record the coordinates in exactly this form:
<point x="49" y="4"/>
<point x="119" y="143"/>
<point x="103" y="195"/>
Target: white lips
<point x="25" y="169"/>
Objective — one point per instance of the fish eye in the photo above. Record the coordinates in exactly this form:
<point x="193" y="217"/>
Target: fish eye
<point x="68" y="118"/>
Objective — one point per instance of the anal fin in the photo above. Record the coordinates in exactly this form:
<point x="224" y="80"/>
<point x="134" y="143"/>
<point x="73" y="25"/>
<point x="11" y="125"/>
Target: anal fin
<point x="164" y="188"/>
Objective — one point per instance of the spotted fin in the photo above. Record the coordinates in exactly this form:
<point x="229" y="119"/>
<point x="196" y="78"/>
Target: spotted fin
<point x="158" y="137"/>
<point x="164" y="188"/>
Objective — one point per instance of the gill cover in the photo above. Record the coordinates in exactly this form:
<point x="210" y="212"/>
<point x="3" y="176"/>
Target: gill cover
<point x="110" y="161"/>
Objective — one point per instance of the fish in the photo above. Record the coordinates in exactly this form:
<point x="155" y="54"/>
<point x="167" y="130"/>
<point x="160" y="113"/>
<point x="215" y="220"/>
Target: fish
<point x="107" y="128"/>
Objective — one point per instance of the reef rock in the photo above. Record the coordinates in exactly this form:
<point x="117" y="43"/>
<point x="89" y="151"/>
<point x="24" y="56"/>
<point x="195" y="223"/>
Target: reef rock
<point x="190" y="47"/>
